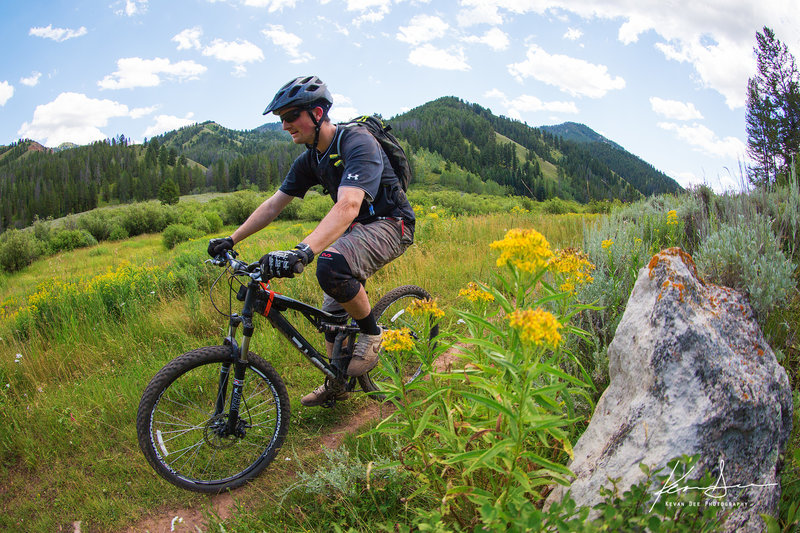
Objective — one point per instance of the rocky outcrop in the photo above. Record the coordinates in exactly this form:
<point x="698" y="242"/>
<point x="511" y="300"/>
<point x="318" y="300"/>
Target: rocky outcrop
<point x="690" y="373"/>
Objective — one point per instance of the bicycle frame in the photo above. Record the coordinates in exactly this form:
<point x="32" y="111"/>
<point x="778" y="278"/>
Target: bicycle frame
<point x="275" y="304"/>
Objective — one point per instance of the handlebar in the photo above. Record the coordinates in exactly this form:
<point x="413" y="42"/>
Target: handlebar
<point x="240" y="267"/>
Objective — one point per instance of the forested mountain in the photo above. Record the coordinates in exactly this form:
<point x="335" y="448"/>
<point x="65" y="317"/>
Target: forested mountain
<point x="468" y="135"/>
<point x="451" y="143"/>
<point x="637" y="172"/>
<point x="209" y="142"/>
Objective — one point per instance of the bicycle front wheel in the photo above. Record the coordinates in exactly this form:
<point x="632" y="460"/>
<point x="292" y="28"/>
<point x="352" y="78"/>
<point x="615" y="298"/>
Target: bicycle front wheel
<point x="183" y="420"/>
<point x="390" y="313"/>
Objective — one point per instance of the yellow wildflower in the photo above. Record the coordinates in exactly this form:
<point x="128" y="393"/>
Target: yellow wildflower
<point x="473" y="293"/>
<point x="397" y="340"/>
<point x="421" y="307"/>
<point x="573" y="267"/>
<point x="536" y="326"/>
<point x="606" y="244"/>
<point x="672" y="218"/>
<point x="526" y="249"/>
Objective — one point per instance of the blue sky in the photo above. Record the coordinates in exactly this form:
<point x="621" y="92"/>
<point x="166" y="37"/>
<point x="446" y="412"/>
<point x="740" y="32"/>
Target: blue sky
<point x="664" y="78"/>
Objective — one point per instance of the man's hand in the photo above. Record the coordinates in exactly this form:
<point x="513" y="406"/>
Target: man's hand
<point x="218" y="247"/>
<point x="284" y="264"/>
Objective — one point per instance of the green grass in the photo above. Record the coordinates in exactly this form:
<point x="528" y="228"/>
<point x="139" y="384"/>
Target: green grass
<point x="68" y="445"/>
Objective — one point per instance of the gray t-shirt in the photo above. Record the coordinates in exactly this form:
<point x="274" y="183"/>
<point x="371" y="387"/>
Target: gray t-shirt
<point x="365" y="167"/>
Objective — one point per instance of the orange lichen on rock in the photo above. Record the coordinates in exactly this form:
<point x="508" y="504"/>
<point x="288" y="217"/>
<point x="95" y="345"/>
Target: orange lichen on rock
<point x="674" y="251"/>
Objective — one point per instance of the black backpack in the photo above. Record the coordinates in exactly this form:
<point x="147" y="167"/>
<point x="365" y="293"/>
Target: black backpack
<point x="388" y="142"/>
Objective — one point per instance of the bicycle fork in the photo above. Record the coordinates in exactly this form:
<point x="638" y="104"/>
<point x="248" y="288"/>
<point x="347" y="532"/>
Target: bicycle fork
<point x="232" y="426"/>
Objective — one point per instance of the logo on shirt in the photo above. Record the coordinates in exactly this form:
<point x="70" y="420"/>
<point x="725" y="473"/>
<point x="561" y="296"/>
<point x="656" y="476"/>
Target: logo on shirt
<point x="353" y="177"/>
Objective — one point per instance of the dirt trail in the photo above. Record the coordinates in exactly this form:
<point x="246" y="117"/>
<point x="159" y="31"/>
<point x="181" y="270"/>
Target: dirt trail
<point x="192" y="519"/>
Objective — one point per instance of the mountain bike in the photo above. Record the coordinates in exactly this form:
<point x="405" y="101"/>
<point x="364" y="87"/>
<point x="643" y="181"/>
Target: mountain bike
<point x="214" y="418"/>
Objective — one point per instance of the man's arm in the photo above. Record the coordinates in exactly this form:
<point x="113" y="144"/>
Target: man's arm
<point x="262" y="216"/>
<point x="338" y="219"/>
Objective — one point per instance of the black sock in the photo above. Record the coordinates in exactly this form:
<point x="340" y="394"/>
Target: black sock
<point x="368" y="325"/>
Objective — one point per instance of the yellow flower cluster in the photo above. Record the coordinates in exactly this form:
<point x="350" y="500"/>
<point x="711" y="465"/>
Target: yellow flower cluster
<point x="526" y="249"/>
<point x="113" y="285"/>
<point x="518" y="209"/>
<point x="536" y="326"/>
<point x="474" y="293"/>
<point x="573" y="267"/>
<point x="422" y="307"/>
<point x="606" y="244"/>
<point x="672" y="218"/>
<point x="397" y="340"/>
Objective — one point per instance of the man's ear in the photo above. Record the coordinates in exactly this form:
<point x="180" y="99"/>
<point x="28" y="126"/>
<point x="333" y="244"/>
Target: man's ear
<point x="318" y="112"/>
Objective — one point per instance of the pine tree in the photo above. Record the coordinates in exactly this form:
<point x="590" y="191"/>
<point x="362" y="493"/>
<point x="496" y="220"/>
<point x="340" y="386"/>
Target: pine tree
<point x="168" y="193"/>
<point x="773" y="108"/>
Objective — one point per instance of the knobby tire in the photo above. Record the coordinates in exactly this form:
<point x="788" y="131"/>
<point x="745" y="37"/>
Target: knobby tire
<point x="180" y="436"/>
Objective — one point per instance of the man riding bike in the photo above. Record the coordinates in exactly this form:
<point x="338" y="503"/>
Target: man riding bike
<point x="370" y="224"/>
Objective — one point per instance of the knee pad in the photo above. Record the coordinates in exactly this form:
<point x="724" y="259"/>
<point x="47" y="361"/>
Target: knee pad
<point x="335" y="277"/>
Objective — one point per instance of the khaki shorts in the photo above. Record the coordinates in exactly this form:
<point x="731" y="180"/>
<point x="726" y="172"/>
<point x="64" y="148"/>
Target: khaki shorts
<point x="368" y="247"/>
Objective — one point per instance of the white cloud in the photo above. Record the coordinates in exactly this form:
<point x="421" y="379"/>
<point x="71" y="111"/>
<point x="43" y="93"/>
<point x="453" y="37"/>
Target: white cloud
<point x="494" y="93"/>
<point x="675" y="110"/>
<point x="495" y="38"/>
<point x="72" y="117"/>
<point x="137" y="72"/>
<point x="373" y="10"/>
<point x="57" y="34"/>
<point x="479" y="13"/>
<point x="239" y="52"/>
<point x="189" y="39"/>
<point x="6" y="92"/>
<point x="528" y="103"/>
<point x="32" y="80"/>
<point x="288" y="41"/>
<point x="531" y="104"/>
<point x="166" y="123"/>
<point x="573" y="34"/>
<point x="428" y="55"/>
<point x="573" y="76"/>
<point x="135" y="7"/>
<point x="724" y="67"/>
<point x="273" y="5"/>
<point x="702" y="139"/>
<point x="422" y="28"/>
<point x="343" y="109"/>
<point x="715" y="37"/>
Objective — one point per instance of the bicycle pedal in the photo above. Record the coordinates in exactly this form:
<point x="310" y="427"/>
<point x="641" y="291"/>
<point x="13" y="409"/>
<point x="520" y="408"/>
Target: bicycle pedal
<point x="329" y="403"/>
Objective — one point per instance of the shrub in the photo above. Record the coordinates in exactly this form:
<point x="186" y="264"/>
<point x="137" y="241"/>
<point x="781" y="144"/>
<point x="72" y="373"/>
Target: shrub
<point x="178" y="233"/>
<point x="214" y="221"/>
<point x="747" y="256"/>
<point x="118" y="232"/>
<point x="97" y="223"/>
<point x="149" y="217"/>
<point x="18" y="249"/>
<point x="64" y="240"/>
<point x="314" y="207"/>
<point x="236" y="207"/>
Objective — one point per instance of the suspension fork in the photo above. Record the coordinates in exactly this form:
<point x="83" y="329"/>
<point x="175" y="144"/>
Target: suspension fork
<point x="240" y="361"/>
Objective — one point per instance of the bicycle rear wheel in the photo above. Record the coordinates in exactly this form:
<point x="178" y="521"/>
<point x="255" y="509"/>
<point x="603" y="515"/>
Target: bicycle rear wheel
<point x="390" y="312"/>
<point x="182" y="434"/>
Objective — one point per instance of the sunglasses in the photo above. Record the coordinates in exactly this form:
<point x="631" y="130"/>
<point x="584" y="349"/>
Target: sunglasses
<point x="292" y="115"/>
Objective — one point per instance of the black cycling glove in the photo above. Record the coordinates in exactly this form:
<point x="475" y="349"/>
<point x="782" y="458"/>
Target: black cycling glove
<point x="217" y="247"/>
<point x="284" y="264"/>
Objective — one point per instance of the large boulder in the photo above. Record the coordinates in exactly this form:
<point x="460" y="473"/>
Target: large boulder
<point x="690" y="373"/>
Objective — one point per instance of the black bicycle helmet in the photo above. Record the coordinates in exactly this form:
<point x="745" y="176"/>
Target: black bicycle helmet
<point x="304" y="92"/>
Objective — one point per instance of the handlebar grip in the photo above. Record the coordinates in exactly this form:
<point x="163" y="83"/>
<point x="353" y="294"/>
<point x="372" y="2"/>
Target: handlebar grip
<point x="298" y="268"/>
